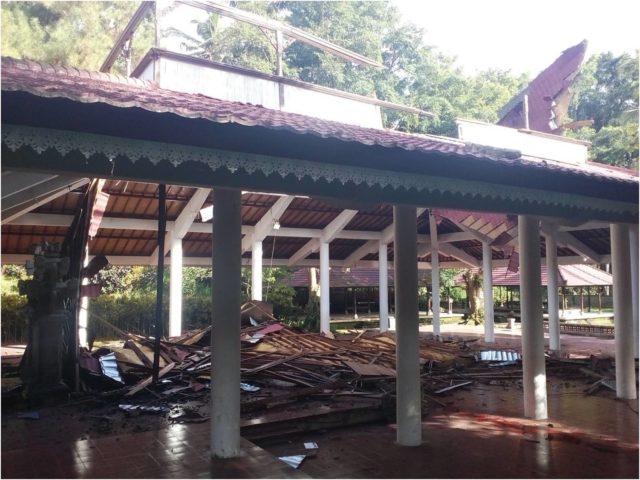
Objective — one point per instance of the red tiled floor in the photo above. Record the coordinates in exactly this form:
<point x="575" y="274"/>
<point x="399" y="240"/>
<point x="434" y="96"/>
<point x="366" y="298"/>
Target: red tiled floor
<point x="590" y="437"/>
<point x="595" y="436"/>
<point x="179" y="451"/>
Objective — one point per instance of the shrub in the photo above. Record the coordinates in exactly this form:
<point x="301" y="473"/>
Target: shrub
<point x="15" y="318"/>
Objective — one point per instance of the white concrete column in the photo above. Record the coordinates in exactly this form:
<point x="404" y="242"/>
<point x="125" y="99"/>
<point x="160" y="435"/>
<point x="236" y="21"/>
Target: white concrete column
<point x="325" y="318"/>
<point x="435" y="274"/>
<point x="487" y="285"/>
<point x="622" y="312"/>
<point x="175" y="288"/>
<point x="225" y="337"/>
<point x="435" y="290"/>
<point x="383" y="286"/>
<point x="408" y="385"/>
<point x="83" y="315"/>
<point x="256" y="271"/>
<point x="552" y="289"/>
<point x="633" y="240"/>
<point x="534" y="380"/>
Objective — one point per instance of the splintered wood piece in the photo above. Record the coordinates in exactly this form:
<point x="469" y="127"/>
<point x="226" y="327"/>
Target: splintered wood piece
<point x="269" y="365"/>
<point x="147" y="381"/>
<point x="138" y="351"/>
<point x="291" y="378"/>
<point x="375" y="358"/>
<point x="367" y="370"/>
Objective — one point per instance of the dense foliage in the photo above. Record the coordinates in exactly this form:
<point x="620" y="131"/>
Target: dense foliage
<point x="606" y="91"/>
<point x="81" y="33"/>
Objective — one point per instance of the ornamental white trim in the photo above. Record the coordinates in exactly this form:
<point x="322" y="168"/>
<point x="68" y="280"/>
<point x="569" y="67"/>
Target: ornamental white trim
<point x="118" y="149"/>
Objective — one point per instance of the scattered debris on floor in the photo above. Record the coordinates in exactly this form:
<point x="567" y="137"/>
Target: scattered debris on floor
<point x="292" y="380"/>
<point x="29" y="415"/>
<point x="293" y="461"/>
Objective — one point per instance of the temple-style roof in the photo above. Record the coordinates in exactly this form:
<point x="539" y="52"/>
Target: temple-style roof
<point x="51" y="81"/>
<point x="568" y="276"/>
<point x="113" y="120"/>
<point x="548" y="94"/>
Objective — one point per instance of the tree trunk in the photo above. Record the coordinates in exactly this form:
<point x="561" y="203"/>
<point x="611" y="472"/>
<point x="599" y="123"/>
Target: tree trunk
<point x="314" y="288"/>
<point x="475" y="296"/>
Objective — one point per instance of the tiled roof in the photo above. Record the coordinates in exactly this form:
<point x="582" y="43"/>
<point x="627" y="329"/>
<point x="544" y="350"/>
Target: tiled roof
<point x="543" y="89"/>
<point x="352" y="277"/>
<point x="93" y="87"/>
<point x="568" y="276"/>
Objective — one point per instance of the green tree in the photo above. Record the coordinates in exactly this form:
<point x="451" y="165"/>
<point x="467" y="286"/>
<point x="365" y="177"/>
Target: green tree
<point x="413" y="73"/>
<point x="448" y="283"/>
<point x="475" y="297"/>
<point x="79" y="34"/>
<point x="606" y="91"/>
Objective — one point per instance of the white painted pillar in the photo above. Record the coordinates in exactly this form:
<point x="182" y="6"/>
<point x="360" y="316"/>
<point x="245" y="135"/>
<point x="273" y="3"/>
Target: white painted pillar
<point x="435" y="290"/>
<point x="533" y="363"/>
<point x="435" y="274"/>
<point x="383" y="286"/>
<point x="487" y="285"/>
<point x="408" y="385"/>
<point x="325" y="318"/>
<point x="225" y="338"/>
<point x="256" y="271"/>
<point x="552" y="289"/>
<point x="175" y="288"/>
<point x="622" y="312"/>
<point x="633" y="240"/>
<point x="83" y="315"/>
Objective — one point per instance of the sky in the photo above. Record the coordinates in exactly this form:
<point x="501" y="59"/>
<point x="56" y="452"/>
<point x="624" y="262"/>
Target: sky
<point x="523" y="36"/>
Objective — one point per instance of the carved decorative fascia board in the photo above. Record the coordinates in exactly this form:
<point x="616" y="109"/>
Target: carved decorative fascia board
<point x="64" y="142"/>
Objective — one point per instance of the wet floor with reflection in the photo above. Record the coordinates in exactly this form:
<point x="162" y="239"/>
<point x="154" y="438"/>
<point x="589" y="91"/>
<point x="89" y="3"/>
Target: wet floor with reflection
<point x="480" y="435"/>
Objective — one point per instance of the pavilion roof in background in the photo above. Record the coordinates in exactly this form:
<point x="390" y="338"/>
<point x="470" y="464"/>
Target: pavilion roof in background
<point x="568" y="276"/>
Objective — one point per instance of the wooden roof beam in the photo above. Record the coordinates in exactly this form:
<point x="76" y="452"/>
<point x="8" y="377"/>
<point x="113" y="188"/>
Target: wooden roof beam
<point x="459" y="254"/>
<point x="265" y="225"/>
<point x="287" y="30"/>
<point x="567" y="240"/>
<point x="372" y="245"/>
<point x="329" y="233"/>
<point x="142" y="11"/>
<point x="42" y="194"/>
<point x="184" y="221"/>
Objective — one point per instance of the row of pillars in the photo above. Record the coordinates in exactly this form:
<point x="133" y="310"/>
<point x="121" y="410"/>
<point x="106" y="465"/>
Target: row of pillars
<point x="226" y="261"/>
<point x="225" y="405"/>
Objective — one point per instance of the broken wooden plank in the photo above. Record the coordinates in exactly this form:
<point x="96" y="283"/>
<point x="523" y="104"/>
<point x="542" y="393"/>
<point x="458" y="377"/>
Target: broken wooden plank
<point x="369" y="370"/>
<point x="147" y="381"/>
<point x="591" y="373"/>
<point x="453" y="387"/>
<point x="434" y="400"/>
<point x="266" y="366"/>
<point x="138" y="351"/>
<point x="594" y="387"/>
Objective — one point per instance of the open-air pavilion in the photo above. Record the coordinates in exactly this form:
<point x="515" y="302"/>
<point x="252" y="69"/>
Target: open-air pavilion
<point x="301" y="190"/>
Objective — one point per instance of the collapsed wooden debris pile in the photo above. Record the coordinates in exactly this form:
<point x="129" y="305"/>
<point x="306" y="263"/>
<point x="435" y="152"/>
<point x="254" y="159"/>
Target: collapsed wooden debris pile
<point x="288" y="374"/>
<point x="273" y="357"/>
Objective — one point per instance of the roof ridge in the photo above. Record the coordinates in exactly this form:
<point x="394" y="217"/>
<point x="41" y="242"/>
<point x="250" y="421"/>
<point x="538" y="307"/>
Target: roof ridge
<point x="58" y="69"/>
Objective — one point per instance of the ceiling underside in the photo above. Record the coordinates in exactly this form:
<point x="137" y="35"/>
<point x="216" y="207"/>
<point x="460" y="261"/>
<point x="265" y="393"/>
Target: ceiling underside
<point x="128" y="230"/>
<point x="337" y="182"/>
